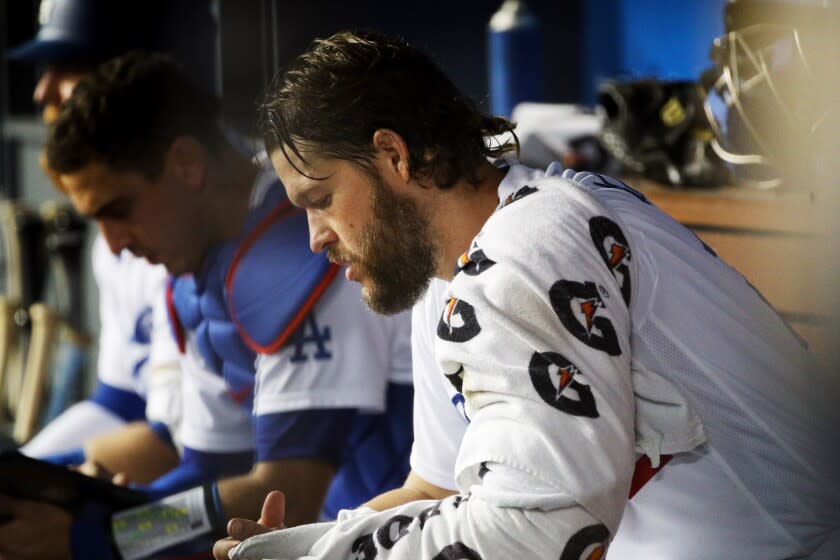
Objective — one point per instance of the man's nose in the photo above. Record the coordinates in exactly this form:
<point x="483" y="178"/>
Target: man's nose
<point x="46" y="90"/>
<point x="320" y="235"/>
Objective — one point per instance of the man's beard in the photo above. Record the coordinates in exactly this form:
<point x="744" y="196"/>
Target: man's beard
<point x="396" y="253"/>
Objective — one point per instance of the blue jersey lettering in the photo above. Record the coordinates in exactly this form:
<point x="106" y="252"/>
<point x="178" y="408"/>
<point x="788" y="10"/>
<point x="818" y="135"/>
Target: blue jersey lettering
<point x="310" y="333"/>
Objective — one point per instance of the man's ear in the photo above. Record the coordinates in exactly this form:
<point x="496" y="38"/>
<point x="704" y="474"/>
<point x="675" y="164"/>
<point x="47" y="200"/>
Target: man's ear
<point x="392" y="153"/>
<point x="186" y="158"/>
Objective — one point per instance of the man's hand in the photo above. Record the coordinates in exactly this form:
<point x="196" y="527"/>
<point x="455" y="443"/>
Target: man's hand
<point x="93" y="469"/>
<point x="38" y="531"/>
<point x="271" y="519"/>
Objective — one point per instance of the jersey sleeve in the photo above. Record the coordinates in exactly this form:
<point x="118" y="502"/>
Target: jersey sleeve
<point x="111" y="367"/>
<point x="129" y="290"/>
<point x="339" y="360"/>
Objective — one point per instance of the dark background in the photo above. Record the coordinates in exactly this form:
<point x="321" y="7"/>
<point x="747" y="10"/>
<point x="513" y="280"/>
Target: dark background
<point x="584" y="41"/>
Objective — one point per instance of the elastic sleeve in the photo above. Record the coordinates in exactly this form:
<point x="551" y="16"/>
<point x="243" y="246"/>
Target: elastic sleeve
<point x="310" y="434"/>
<point x="127" y="405"/>
<point x="67" y="458"/>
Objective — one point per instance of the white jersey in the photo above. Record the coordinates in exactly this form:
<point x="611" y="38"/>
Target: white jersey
<point x="369" y="352"/>
<point x="132" y="315"/>
<point x="675" y="280"/>
<point x="585" y="328"/>
<point x="346" y="360"/>
<point x="137" y="353"/>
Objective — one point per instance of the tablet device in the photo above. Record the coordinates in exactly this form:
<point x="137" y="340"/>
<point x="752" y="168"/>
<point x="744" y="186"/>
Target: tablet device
<point x="30" y="479"/>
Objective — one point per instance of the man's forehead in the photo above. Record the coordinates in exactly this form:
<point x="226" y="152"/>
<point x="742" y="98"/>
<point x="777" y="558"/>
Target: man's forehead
<point x="285" y="159"/>
<point x="298" y="174"/>
<point x="89" y="186"/>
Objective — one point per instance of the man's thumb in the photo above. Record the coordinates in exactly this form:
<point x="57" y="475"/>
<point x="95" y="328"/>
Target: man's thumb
<point x="274" y="510"/>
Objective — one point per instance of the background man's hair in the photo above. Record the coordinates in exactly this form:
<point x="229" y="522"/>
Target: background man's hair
<point x="336" y="95"/>
<point x="127" y="113"/>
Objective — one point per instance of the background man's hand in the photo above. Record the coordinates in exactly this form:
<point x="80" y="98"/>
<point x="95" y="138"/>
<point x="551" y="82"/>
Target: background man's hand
<point x="93" y="469"/>
<point x="271" y="519"/>
<point x="38" y="531"/>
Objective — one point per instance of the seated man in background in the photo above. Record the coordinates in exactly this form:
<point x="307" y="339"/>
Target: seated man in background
<point x="287" y="375"/>
<point x="588" y="338"/>
<point x="138" y="370"/>
<point x="138" y="388"/>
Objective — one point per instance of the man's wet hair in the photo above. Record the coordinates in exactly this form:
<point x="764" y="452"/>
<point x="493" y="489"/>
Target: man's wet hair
<point x="336" y="95"/>
<point x="127" y="113"/>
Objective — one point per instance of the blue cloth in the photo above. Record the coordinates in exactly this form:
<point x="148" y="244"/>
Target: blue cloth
<point x="312" y="434"/>
<point x="90" y="533"/>
<point x="376" y="456"/>
<point x="67" y="458"/>
<point x="161" y="430"/>
<point x="128" y="405"/>
<point x="253" y="292"/>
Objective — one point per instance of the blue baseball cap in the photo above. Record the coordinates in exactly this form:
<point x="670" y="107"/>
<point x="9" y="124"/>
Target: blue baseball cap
<point x="91" y="30"/>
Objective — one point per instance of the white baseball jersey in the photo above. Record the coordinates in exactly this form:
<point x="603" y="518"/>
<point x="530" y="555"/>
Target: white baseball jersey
<point x="366" y="353"/>
<point x="584" y="328"/>
<point x="132" y="315"/>
<point x="345" y="359"/>
<point x="138" y="358"/>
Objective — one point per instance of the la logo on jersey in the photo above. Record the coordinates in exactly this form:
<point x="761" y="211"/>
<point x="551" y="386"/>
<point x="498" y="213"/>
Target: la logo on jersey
<point x="311" y="333"/>
<point x="612" y="245"/>
<point x="553" y="376"/>
<point x="580" y="309"/>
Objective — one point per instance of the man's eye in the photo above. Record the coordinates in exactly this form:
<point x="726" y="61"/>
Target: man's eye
<point x="116" y="210"/>
<point x="322" y="202"/>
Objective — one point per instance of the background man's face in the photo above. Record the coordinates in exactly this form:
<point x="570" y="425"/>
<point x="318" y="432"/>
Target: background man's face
<point x="56" y="86"/>
<point x="152" y="218"/>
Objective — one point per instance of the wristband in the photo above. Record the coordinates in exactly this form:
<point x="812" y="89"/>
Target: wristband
<point x="66" y="458"/>
<point x="191" y="515"/>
